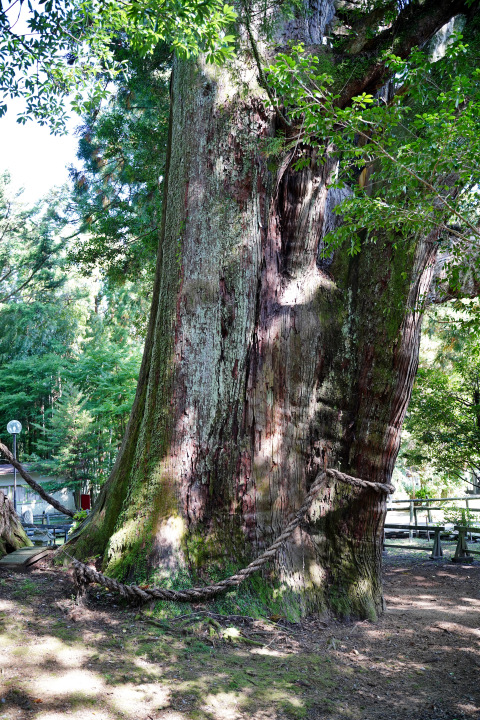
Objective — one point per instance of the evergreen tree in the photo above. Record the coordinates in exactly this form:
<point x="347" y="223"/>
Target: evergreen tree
<point x="106" y="370"/>
<point x="266" y="357"/>
<point x="41" y="313"/>
<point x="62" y="328"/>
<point x="443" y="421"/>
<point x="29" y="245"/>
<point x="65" y="443"/>
<point x="116" y="198"/>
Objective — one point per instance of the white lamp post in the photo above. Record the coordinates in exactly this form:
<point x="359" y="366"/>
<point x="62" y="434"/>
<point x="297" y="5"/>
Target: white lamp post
<point x="14" y="427"/>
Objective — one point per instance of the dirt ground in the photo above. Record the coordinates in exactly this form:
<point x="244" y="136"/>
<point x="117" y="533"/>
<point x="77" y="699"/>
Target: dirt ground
<point x="421" y="661"/>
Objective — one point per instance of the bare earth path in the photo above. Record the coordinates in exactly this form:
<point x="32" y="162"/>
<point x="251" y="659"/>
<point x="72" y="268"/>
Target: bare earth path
<point x="420" y="662"/>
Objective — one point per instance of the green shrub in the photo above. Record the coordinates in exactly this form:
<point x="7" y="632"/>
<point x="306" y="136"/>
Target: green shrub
<point x="459" y="515"/>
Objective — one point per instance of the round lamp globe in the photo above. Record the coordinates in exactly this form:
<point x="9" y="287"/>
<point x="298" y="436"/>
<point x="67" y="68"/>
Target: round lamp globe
<point x="14" y="427"/>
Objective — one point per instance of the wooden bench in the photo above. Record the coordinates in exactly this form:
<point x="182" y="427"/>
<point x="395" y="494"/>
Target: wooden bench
<point x="58" y="523"/>
<point x="437" y="550"/>
<point x="463" y="554"/>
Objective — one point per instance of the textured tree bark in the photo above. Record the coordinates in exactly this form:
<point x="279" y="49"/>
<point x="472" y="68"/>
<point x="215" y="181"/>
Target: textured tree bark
<point x="265" y="361"/>
<point x="12" y="534"/>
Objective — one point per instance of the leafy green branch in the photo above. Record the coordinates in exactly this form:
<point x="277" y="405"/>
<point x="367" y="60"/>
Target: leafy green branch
<point x="69" y="49"/>
<point x="412" y="161"/>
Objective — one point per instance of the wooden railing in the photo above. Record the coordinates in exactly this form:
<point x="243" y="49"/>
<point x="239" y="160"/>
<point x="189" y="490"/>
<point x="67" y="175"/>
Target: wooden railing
<point x="463" y="554"/>
<point x="57" y="531"/>
<point x="56" y="524"/>
<point x="416" y="505"/>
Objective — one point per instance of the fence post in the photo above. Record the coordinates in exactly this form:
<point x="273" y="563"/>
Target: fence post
<point x="467" y="507"/>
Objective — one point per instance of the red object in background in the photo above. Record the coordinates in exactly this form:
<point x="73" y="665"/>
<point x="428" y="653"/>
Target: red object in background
<point x="85" y="502"/>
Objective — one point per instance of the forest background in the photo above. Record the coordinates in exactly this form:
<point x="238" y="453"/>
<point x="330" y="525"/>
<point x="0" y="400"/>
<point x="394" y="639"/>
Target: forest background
<point x="75" y="287"/>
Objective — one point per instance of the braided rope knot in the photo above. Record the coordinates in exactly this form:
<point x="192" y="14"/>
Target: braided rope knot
<point x="86" y="574"/>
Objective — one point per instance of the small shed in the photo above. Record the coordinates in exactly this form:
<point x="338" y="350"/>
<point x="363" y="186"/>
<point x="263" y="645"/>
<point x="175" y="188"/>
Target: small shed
<point x="27" y="498"/>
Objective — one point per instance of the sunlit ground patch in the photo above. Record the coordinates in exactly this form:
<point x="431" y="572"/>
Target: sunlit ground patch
<point x="150" y="697"/>
<point x="68" y="683"/>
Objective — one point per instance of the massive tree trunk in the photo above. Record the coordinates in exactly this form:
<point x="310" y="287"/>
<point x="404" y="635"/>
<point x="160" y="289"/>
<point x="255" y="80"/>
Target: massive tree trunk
<point x="265" y="361"/>
<point x="12" y="534"/>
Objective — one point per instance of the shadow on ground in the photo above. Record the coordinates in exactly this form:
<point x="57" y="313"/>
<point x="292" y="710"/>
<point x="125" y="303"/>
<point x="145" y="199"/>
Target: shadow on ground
<point x="421" y="661"/>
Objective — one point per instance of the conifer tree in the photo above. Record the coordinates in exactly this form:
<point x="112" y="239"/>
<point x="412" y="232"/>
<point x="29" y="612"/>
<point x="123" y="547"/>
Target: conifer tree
<point x="65" y="442"/>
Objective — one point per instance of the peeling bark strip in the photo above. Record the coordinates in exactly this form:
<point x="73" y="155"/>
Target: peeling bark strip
<point x="265" y="362"/>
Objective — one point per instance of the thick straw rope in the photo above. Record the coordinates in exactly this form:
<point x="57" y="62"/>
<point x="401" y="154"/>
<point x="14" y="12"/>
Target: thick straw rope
<point x="85" y="574"/>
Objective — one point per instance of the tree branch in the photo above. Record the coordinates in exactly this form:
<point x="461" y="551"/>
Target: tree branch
<point x="415" y="25"/>
<point x="33" y="484"/>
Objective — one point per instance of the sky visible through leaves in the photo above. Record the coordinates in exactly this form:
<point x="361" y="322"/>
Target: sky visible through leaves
<point x="35" y="159"/>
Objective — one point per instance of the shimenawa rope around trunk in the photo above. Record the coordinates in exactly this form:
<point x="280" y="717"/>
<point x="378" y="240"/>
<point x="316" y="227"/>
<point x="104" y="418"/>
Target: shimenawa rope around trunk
<point x="85" y="574"/>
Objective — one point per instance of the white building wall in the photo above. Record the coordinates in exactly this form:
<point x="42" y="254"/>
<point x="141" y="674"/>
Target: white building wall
<point x="27" y="498"/>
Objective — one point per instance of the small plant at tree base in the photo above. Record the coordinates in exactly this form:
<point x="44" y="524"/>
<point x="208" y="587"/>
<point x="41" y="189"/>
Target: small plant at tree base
<point x="78" y="519"/>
